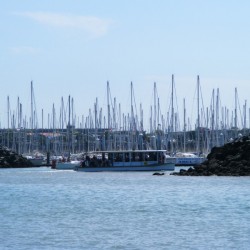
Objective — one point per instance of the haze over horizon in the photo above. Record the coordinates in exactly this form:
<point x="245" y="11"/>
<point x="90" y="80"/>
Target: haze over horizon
<point x="73" y="49"/>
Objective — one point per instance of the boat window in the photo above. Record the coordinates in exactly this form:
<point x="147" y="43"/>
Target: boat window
<point x="127" y="158"/>
<point x="110" y="156"/>
<point x="133" y="156"/>
<point x="141" y="156"/>
<point x="103" y="156"/>
<point x="118" y="157"/>
<point x="152" y="156"/>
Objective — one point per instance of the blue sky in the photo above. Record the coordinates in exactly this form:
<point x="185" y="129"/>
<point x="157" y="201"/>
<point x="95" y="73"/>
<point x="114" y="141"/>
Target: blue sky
<point x="75" y="47"/>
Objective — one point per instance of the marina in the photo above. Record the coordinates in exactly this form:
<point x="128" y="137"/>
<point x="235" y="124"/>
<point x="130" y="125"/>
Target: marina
<point x="124" y="125"/>
<point x="66" y="135"/>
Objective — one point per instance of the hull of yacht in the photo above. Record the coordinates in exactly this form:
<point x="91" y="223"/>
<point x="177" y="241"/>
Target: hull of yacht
<point x="37" y="161"/>
<point x="188" y="161"/>
<point x="67" y="165"/>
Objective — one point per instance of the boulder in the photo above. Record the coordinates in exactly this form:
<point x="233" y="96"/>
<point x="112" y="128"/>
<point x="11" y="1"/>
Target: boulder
<point x="158" y="173"/>
<point x="232" y="159"/>
<point x="10" y="159"/>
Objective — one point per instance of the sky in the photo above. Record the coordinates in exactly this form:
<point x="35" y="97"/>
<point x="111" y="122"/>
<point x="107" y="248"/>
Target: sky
<point x="72" y="48"/>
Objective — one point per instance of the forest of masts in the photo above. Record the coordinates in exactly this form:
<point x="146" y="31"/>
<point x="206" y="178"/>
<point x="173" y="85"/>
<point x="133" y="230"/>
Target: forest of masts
<point x="67" y="134"/>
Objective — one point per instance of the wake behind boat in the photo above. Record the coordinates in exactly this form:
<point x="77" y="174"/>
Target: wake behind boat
<point x="127" y="160"/>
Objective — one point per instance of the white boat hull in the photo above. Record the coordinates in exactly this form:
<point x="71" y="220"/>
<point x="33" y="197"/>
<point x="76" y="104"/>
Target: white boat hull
<point x="68" y="165"/>
<point x="37" y="161"/>
<point x="188" y="161"/>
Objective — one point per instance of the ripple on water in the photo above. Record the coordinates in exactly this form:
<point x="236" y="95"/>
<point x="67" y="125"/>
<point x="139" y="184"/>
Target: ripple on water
<point x="47" y="209"/>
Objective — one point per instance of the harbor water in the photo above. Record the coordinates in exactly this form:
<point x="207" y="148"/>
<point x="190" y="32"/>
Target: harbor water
<point x="41" y="208"/>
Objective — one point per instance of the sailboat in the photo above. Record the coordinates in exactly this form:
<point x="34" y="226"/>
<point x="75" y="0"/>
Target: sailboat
<point x="70" y="162"/>
<point x="34" y="156"/>
<point x="187" y="158"/>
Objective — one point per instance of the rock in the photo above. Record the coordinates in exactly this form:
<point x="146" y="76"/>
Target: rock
<point x="10" y="159"/>
<point x="232" y="159"/>
<point x="158" y="173"/>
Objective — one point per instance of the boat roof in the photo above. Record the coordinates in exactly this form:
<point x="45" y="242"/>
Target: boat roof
<point x="128" y="151"/>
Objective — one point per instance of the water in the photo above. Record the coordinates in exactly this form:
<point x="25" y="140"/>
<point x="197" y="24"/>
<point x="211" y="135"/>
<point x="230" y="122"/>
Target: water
<point x="49" y="209"/>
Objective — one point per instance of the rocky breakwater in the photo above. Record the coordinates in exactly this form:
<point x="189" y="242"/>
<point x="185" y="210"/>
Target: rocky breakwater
<point x="10" y="159"/>
<point x="232" y="159"/>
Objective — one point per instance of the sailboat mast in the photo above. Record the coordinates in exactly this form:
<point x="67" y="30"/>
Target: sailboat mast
<point x="8" y="121"/>
<point x="95" y="108"/>
<point x="154" y="107"/>
<point x="69" y="112"/>
<point x="73" y="123"/>
<point x="217" y="118"/>
<point x="131" y="105"/>
<point x="68" y="130"/>
<point x="158" y="113"/>
<point x="198" y="114"/>
<point x="235" y="117"/>
<point x="108" y="105"/>
<point x="184" y="128"/>
<point x="172" y="105"/>
<point x="172" y="114"/>
<point x="245" y="116"/>
<point x="31" y="105"/>
<point x="42" y="118"/>
<point x="18" y="112"/>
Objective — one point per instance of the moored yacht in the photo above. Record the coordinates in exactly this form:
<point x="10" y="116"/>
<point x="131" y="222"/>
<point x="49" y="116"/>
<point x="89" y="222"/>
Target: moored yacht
<point x="188" y="159"/>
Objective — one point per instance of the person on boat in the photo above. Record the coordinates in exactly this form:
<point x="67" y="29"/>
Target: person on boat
<point x="86" y="161"/>
<point x="83" y="162"/>
<point x="127" y="157"/>
<point x="137" y="158"/>
<point x="93" y="161"/>
<point x="161" y="158"/>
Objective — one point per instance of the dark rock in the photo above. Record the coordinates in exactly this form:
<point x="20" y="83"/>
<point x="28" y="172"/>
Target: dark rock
<point x="10" y="159"/>
<point x="232" y="159"/>
<point x="158" y="173"/>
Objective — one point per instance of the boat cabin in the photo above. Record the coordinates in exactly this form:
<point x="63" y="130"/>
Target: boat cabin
<point x="111" y="158"/>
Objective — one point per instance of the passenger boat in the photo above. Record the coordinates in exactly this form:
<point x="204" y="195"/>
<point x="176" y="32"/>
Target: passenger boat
<point x="127" y="160"/>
